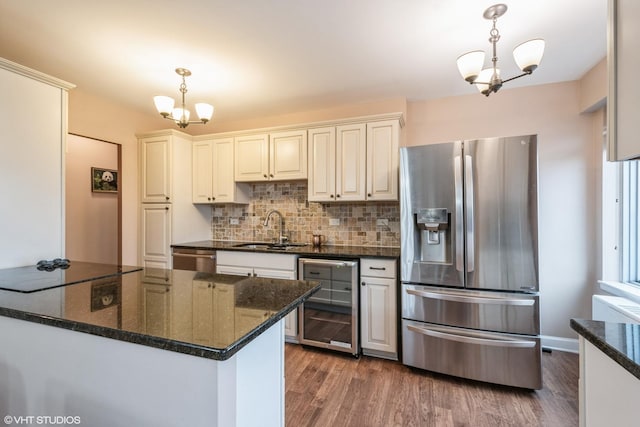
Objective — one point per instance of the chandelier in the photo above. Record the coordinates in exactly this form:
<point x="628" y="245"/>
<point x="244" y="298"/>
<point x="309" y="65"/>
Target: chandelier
<point x="527" y="55"/>
<point x="180" y="115"/>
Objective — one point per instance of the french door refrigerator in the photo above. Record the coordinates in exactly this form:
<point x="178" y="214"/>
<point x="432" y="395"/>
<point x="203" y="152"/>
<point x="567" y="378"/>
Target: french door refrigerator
<point x="469" y="260"/>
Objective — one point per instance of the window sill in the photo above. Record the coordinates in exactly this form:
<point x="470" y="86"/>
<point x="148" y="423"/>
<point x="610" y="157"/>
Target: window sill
<point x="625" y="290"/>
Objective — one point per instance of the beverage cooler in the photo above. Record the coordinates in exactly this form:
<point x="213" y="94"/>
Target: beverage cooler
<point x="329" y="319"/>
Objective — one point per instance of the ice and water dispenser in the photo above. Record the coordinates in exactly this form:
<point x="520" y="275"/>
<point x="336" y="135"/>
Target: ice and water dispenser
<point x="435" y="236"/>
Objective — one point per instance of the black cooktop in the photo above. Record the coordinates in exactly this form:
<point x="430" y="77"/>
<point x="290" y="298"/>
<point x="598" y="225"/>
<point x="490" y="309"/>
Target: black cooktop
<point x="31" y="279"/>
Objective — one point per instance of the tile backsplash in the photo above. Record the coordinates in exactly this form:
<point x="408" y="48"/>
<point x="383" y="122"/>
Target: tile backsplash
<point x="358" y="223"/>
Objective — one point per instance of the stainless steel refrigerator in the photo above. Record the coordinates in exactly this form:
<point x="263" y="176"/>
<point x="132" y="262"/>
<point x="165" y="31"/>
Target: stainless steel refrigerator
<point x="469" y="260"/>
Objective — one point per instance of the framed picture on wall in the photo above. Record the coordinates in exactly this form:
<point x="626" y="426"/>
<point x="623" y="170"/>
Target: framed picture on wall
<point x="104" y="180"/>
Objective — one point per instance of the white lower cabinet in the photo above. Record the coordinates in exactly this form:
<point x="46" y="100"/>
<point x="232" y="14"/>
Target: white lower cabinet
<point x="269" y="265"/>
<point x="378" y="307"/>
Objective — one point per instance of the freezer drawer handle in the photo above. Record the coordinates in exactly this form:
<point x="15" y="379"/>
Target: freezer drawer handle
<point x="471" y="300"/>
<point x="470" y="340"/>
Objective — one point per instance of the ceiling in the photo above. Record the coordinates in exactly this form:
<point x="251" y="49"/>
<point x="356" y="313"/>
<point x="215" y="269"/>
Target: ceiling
<point x="251" y="58"/>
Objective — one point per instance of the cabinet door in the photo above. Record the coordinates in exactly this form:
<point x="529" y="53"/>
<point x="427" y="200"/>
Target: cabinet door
<point x="288" y="155"/>
<point x="623" y="59"/>
<point x="382" y="160"/>
<point x="156" y="235"/>
<point x="322" y="165"/>
<point x="223" y="178"/>
<point x="202" y="186"/>
<point x="351" y="162"/>
<point x="155" y="166"/>
<point x="378" y="314"/>
<point x="252" y="158"/>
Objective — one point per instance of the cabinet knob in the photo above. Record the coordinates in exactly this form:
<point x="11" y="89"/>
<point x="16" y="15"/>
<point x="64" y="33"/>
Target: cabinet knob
<point x="213" y="198"/>
<point x="368" y="194"/>
<point x="249" y="274"/>
<point x="265" y="175"/>
<point x="167" y="197"/>
<point x="209" y="198"/>
<point x="331" y="195"/>
<point x="337" y="195"/>
<point x="166" y="208"/>
<point x="209" y="285"/>
<point x="271" y="175"/>
<point x="363" y="284"/>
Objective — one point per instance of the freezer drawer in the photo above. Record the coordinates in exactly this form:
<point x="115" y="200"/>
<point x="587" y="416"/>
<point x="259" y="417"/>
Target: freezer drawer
<point x="506" y="359"/>
<point x="488" y="311"/>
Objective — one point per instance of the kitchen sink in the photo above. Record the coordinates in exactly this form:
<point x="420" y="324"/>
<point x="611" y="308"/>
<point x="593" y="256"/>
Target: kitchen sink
<point x="273" y="246"/>
<point x="253" y="245"/>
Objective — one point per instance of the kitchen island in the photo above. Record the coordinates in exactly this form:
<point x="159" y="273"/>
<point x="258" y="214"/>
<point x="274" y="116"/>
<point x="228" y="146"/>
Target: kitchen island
<point x="609" y="383"/>
<point x="147" y="348"/>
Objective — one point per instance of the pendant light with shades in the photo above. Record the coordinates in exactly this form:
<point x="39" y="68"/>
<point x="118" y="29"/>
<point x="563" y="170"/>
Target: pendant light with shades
<point x="527" y="55"/>
<point x="180" y="115"/>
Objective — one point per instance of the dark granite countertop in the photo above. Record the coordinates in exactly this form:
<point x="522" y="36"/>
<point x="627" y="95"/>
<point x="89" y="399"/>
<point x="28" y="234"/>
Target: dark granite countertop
<point x="200" y="314"/>
<point x="619" y="341"/>
<point x="308" y="250"/>
<point x="30" y="279"/>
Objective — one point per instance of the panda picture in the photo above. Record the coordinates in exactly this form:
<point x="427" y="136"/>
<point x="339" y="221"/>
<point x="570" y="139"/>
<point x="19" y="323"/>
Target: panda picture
<point x="104" y="180"/>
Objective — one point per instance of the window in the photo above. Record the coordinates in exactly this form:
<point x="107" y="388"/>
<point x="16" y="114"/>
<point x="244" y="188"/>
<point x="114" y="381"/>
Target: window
<point x="630" y="224"/>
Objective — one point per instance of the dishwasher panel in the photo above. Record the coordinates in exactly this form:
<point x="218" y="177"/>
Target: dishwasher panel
<point x="329" y="319"/>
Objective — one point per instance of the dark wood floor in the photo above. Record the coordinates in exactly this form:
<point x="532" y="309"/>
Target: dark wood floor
<point x="331" y="389"/>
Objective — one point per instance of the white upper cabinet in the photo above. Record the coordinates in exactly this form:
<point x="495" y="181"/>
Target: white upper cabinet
<point x="322" y="164"/>
<point x="354" y="162"/>
<point x="351" y="156"/>
<point x="382" y="160"/>
<point x="623" y="58"/>
<point x="213" y="173"/>
<point x="155" y="164"/>
<point x="271" y="157"/>
<point x="288" y="155"/>
<point x="337" y="159"/>
<point x="252" y="157"/>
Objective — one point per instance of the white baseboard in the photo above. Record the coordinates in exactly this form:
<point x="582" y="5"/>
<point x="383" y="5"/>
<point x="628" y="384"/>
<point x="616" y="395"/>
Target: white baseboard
<point x="560" y="344"/>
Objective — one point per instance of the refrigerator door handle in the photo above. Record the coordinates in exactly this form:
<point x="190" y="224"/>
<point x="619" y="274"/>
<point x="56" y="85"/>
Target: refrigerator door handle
<point x="459" y="229"/>
<point x="469" y="188"/>
<point x="496" y="342"/>
<point x="471" y="299"/>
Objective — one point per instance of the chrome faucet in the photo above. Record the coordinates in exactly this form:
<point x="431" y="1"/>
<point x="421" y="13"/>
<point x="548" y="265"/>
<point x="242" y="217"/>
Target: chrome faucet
<point x="282" y="239"/>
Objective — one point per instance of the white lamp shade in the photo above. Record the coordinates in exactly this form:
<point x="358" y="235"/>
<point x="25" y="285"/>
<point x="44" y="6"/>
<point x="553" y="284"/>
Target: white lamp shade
<point x="470" y="64"/>
<point x="529" y="54"/>
<point x="180" y="115"/>
<point x="485" y="77"/>
<point x="204" y="111"/>
<point x="164" y="104"/>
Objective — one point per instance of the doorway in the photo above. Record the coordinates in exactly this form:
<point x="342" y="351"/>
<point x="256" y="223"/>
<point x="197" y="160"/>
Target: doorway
<point x="93" y="200"/>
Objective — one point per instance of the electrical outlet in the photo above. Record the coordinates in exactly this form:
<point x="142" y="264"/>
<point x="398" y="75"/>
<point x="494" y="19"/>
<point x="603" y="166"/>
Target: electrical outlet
<point x="234" y="221"/>
<point x="334" y="221"/>
<point x="382" y="222"/>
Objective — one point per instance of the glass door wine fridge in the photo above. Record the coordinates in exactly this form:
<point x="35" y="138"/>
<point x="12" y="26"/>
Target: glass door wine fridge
<point x="329" y="319"/>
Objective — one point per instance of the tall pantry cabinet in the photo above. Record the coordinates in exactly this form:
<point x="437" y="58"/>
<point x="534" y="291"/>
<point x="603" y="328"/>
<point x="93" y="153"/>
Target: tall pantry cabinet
<point x="167" y="213"/>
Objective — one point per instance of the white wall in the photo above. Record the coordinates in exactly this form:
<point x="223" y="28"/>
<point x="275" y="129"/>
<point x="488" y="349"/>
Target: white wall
<point x="568" y="246"/>
<point x="92" y="229"/>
